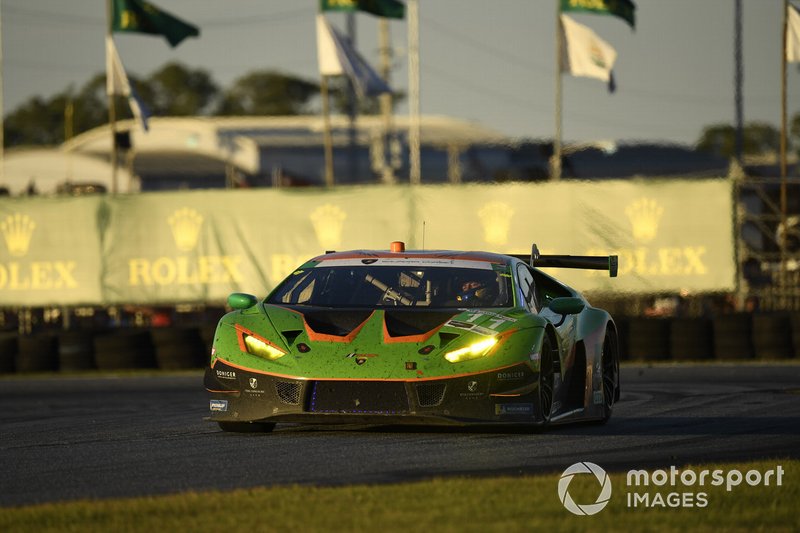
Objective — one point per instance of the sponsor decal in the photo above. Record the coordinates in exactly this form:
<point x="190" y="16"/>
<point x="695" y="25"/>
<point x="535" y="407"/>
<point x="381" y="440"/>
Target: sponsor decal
<point x="512" y="375"/>
<point x="496" y="221"/>
<point x="226" y="374"/>
<point x="253" y="383"/>
<point x="328" y="221"/>
<point x="411" y="365"/>
<point x="513" y="408"/>
<point x="218" y="405"/>
<point x="473" y="391"/>
<point x="598" y="397"/>
<point x="361" y="358"/>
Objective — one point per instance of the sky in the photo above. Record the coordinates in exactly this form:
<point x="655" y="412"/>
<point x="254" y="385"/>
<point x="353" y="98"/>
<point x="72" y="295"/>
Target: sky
<point x="492" y="63"/>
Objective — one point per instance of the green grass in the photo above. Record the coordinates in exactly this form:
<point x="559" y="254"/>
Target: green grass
<point x="504" y="504"/>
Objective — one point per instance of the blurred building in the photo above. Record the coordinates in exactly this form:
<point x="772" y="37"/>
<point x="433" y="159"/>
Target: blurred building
<point x="216" y="152"/>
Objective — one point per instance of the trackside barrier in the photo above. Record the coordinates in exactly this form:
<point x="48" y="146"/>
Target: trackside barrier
<point x="732" y="337"/>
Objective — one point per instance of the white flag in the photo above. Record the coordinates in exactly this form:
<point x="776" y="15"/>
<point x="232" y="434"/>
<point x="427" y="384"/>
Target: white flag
<point x="336" y="56"/>
<point x="117" y="83"/>
<point x="792" y="34"/>
<point x="584" y="53"/>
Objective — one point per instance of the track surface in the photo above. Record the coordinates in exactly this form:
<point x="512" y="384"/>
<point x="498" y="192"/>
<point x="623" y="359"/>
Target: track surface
<point x="74" y="438"/>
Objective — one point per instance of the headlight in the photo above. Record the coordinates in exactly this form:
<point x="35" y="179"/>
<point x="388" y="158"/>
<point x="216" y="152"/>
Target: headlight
<point x="473" y="351"/>
<point x="260" y="348"/>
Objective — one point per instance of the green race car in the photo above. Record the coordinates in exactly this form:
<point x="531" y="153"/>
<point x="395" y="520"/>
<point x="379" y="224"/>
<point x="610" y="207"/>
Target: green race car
<point x="416" y="337"/>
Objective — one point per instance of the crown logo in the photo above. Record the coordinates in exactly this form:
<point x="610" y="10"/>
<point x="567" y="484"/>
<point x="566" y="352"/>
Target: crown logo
<point x="644" y="215"/>
<point x="185" y="224"/>
<point x="17" y="230"/>
<point x="496" y="220"/>
<point x="328" y="221"/>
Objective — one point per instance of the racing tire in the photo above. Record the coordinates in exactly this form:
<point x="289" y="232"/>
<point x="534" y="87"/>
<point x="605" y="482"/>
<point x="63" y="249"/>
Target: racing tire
<point x="609" y="361"/>
<point x="544" y="392"/>
<point x="247" y="427"/>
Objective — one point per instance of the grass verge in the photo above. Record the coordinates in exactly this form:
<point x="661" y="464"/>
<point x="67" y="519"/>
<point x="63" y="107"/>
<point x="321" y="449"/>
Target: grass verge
<point x="503" y="504"/>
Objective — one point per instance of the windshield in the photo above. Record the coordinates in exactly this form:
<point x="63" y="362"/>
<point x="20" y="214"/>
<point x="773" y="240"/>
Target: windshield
<point x="488" y="285"/>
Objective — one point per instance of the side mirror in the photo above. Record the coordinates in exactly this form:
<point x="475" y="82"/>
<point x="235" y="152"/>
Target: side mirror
<point x="567" y="306"/>
<point x="242" y="301"/>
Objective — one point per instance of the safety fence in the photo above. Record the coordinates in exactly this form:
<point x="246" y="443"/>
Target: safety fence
<point x="731" y="337"/>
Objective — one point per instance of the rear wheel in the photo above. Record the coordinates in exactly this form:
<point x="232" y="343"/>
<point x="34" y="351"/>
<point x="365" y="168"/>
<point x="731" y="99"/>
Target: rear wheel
<point x="247" y="427"/>
<point x="546" y="383"/>
<point x="610" y="365"/>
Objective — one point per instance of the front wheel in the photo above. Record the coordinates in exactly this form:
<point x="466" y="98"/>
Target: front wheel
<point x="609" y="360"/>
<point x="247" y="427"/>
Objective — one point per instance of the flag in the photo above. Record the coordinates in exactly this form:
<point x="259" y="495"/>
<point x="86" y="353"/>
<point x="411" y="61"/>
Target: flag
<point x="381" y="8"/>
<point x="792" y="34"/>
<point x="337" y="57"/>
<point x="140" y="16"/>
<point x="117" y="84"/>
<point x="584" y="53"/>
<point x="624" y="9"/>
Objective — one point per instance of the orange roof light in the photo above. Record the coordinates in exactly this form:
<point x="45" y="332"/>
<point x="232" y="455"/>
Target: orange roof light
<point x="398" y="246"/>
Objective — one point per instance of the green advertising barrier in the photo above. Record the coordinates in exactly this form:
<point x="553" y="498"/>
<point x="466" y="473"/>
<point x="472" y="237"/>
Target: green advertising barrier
<point x="198" y="246"/>
<point x="50" y="254"/>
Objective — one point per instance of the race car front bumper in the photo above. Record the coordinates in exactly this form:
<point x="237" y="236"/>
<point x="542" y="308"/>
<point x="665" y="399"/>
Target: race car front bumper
<point x="504" y="395"/>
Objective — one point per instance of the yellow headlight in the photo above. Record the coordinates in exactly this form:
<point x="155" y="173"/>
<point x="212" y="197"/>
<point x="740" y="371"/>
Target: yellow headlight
<point x="262" y="349"/>
<point x="473" y="351"/>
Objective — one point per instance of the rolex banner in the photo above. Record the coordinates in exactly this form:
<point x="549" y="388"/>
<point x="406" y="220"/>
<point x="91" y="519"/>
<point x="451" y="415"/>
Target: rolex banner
<point x="198" y="246"/>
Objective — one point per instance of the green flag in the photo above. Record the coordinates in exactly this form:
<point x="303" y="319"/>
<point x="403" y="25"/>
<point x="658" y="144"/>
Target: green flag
<point x="382" y="8"/>
<point x="624" y="9"/>
<point x="140" y="16"/>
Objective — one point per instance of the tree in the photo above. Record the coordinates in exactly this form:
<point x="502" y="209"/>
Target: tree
<point x="757" y="137"/>
<point x="268" y="92"/>
<point x="175" y="90"/>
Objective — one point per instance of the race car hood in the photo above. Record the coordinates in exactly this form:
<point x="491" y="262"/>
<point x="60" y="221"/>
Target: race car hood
<point x="393" y="344"/>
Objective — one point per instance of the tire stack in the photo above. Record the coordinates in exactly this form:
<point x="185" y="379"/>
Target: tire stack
<point x="623" y="330"/>
<point x="37" y="353"/>
<point x="207" y="333"/>
<point x="691" y="339"/>
<point x="75" y="351"/>
<point x="124" y="349"/>
<point x="648" y="339"/>
<point x="733" y="336"/>
<point x="772" y="336"/>
<point x="8" y="352"/>
<point x="178" y="348"/>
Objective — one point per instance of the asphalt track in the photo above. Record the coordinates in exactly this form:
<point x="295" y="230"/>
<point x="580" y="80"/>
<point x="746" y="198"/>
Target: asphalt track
<point x="65" y="438"/>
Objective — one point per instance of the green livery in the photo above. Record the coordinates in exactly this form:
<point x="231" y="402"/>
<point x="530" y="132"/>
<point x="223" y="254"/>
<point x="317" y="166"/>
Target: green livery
<point x="417" y="337"/>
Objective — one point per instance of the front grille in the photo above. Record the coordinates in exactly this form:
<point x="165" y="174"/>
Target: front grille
<point x="358" y="397"/>
<point x="288" y="392"/>
<point x="430" y="394"/>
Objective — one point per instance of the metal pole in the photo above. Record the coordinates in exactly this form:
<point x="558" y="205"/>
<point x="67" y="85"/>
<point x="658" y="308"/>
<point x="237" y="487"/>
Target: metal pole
<point x="387" y="175"/>
<point x="413" y="92"/>
<point x="326" y="133"/>
<point x="783" y="144"/>
<point x="738" y="76"/>
<point x="352" y="106"/>
<point x="112" y="114"/>
<point x="555" y="161"/>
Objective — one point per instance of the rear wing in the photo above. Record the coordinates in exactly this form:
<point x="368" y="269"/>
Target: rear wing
<point x="586" y="262"/>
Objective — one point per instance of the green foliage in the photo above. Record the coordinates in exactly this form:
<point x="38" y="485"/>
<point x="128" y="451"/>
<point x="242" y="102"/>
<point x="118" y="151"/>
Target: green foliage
<point x="177" y="91"/>
<point x="757" y="138"/>
<point x="268" y="92"/>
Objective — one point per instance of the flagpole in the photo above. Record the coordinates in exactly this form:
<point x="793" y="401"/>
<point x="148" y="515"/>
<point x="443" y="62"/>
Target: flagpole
<point x="783" y="139"/>
<point x="112" y="114"/>
<point x="326" y="131"/>
<point x="555" y="162"/>
<point x="413" y="92"/>
<point x="2" y="120"/>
